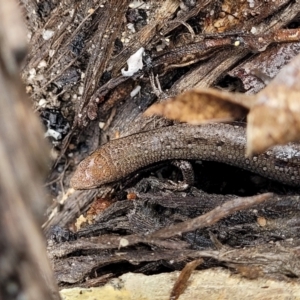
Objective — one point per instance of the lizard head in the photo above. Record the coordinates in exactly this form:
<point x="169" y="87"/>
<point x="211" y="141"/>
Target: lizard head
<point x="92" y="172"/>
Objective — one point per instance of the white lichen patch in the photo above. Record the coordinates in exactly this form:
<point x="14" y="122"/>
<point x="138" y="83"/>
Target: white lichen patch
<point x="135" y="63"/>
<point x="54" y="134"/>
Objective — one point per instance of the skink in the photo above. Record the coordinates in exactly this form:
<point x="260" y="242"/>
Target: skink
<point x="213" y="142"/>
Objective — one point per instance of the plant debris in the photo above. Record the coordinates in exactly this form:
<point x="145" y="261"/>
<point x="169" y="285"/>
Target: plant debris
<point x="74" y="67"/>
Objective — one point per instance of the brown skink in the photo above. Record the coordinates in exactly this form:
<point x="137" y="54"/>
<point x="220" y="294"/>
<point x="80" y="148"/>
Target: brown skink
<point x="213" y="142"/>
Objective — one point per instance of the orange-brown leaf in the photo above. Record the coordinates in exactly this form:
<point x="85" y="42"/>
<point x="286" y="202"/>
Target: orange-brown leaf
<point x="275" y="116"/>
<point x="202" y="106"/>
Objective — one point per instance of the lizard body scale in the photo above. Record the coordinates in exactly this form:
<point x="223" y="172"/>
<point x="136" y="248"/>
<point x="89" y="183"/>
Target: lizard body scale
<point x="213" y="142"/>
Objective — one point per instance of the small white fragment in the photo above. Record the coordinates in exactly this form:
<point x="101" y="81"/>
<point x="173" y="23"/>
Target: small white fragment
<point x="48" y="34"/>
<point x="123" y="243"/>
<point x="56" y="135"/>
<point x="135" y="91"/>
<point x="253" y="30"/>
<point x="42" y="103"/>
<point x="42" y="64"/>
<point x="29" y="35"/>
<point x="80" y="90"/>
<point x="32" y="72"/>
<point x="59" y="25"/>
<point x="51" y="53"/>
<point x="130" y="26"/>
<point x="183" y="7"/>
<point x="134" y="63"/>
<point x="101" y="125"/>
<point x="251" y="3"/>
<point x="137" y="4"/>
<point x="160" y="47"/>
<point x="28" y="89"/>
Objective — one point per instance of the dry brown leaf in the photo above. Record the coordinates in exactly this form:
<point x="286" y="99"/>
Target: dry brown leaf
<point x="202" y="105"/>
<point x="275" y="116"/>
